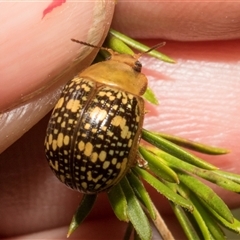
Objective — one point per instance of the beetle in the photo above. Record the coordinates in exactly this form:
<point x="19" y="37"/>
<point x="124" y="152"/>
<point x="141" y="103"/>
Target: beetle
<point x="93" y="133"/>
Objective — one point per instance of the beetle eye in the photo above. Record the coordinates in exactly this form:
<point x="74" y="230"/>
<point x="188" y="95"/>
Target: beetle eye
<point x="137" y="66"/>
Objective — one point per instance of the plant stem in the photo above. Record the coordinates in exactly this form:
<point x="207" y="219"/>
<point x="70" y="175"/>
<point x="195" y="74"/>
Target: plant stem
<point x="161" y="226"/>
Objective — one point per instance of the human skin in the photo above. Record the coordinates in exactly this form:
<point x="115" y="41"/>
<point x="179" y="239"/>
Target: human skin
<point x="199" y="99"/>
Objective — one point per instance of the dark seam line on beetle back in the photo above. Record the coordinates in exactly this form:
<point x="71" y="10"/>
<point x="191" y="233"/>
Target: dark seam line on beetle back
<point x="90" y="96"/>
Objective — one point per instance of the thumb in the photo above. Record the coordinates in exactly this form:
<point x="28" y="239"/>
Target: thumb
<point x="40" y="58"/>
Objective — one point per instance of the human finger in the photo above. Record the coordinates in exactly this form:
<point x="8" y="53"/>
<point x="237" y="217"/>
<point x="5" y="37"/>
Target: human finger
<point x="39" y="57"/>
<point x="178" y="20"/>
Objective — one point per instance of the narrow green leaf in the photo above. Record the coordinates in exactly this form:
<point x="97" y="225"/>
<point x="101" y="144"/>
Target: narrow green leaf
<point x="141" y="193"/>
<point x="208" y="195"/>
<point x="164" y="173"/>
<point x="172" y="186"/>
<point x="185" y="223"/>
<point x="210" y="175"/>
<point x="174" y="150"/>
<point x="185" y="192"/>
<point x="83" y="210"/>
<point x="201" y="223"/>
<point x="221" y="181"/>
<point x="118" y="202"/>
<point x="150" y="96"/>
<point x="141" y="47"/>
<point x="156" y="217"/>
<point x="163" y="189"/>
<point x="135" y="212"/>
<point x="199" y="147"/>
<point x="234" y="227"/>
<point x="118" y="45"/>
<point x="234" y="177"/>
<point x="158" y="166"/>
<point x="205" y="221"/>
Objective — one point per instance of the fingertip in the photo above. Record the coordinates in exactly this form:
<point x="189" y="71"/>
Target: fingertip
<point x="38" y="49"/>
<point x="40" y="57"/>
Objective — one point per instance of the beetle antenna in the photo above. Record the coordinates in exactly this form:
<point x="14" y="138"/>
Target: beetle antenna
<point x="155" y="47"/>
<point x="93" y="46"/>
<point x="85" y="43"/>
<point x="110" y="50"/>
<point x="161" y="44"/>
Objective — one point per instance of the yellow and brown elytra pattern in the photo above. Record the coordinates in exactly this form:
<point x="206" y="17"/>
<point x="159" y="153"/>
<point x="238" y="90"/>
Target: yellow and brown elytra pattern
<point x="93" y="135"/>
<point x="62" y="124"/>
